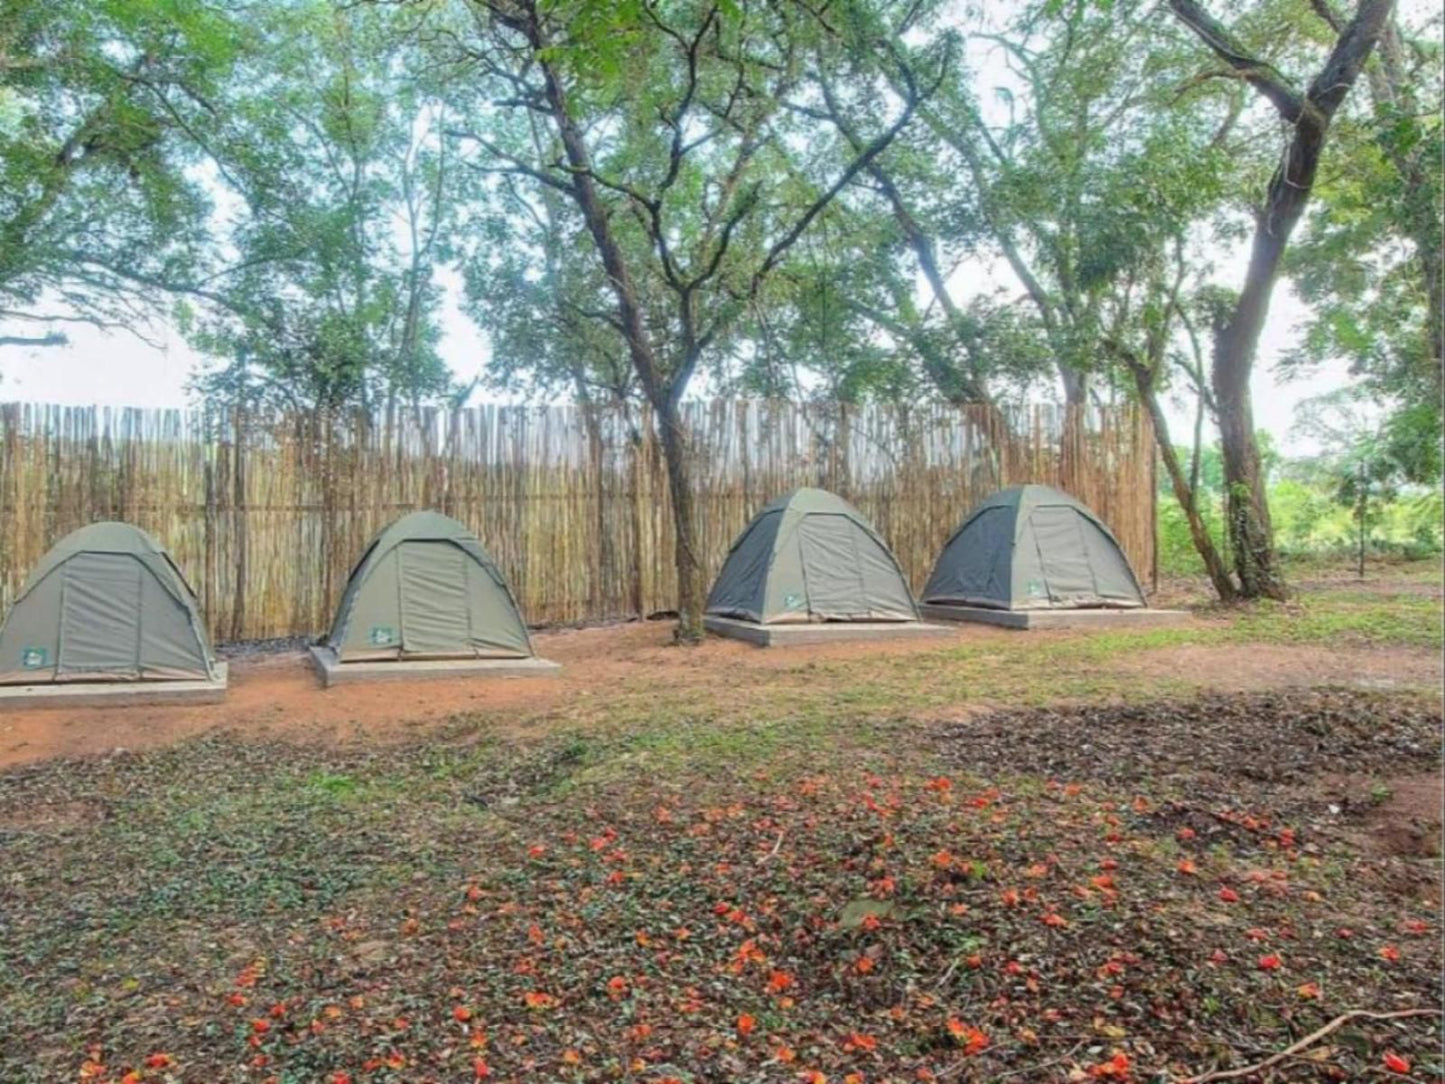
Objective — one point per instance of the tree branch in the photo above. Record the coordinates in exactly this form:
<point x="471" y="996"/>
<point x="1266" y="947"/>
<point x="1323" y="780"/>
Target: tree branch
<point x="912" y="98"/>
<point x="50" y="338"/>
<point x="1264" y="77"/>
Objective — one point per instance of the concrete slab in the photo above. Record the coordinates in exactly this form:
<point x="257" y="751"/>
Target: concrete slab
<point x="1053" y="619"/>
<point x="822" y="632"/>
<point x="334" y="672"/>
<point x="114" y="694"/>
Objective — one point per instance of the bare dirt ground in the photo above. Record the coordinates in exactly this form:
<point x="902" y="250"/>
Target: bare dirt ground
<point x="276" y="696"/>
<point x="1246" y="667"/>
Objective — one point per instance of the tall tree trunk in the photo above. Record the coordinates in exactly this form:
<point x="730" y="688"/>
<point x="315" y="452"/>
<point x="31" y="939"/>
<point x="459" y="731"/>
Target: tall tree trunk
<point x="1076" y="385"/>
<point x="691" y="597"/>
<point x="1246" y="501"/>
<point x="1237" y="338"/>
<point x="1184" y="492"/>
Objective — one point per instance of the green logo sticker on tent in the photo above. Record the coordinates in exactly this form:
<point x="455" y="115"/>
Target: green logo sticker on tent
<point x="382" y="635"/>
<point x="1035" y="589"/>
<point x="34" y="658"/>
<point x="792" y="602"/>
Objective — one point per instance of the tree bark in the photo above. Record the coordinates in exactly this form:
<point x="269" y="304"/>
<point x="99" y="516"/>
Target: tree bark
<point x="1237" y="339"/>
<point x="1184" y="492"/>
<point x="691" y="588"/>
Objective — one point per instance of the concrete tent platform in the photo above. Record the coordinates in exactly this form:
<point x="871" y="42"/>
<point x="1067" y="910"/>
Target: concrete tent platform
<point x="1053" y="619"/>
<point x="826" y="632"/>
<point x="114" y="694"/>
<point x="333" y="672"/>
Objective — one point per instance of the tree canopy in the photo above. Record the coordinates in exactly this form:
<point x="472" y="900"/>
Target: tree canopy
<point x="897" y="199"/>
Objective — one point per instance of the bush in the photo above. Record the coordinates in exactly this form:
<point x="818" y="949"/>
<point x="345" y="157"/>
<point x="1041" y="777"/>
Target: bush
<point x="1310" y="524"/>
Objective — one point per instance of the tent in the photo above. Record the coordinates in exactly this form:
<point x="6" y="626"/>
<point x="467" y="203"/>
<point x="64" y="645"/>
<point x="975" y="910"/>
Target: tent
<point x="426" y="589"/>
<point x="107" y="603"/>
<point x="810" y="556"/>
<point x="1033" y="548"/>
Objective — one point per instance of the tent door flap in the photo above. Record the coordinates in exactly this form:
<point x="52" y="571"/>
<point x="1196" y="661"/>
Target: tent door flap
<point x="435" y="617"/>
<point x="1063" y="556"/>
<point x="832" y="569"/>
<point x="100" y="617"/>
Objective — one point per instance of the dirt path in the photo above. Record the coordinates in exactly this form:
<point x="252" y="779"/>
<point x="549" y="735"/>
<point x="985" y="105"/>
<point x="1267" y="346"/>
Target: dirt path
<point x="1247" y="667"/>
<point x="277" y="696"/>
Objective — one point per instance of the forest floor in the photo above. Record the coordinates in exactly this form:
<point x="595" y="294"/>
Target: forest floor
<point x="1121" y="855"/>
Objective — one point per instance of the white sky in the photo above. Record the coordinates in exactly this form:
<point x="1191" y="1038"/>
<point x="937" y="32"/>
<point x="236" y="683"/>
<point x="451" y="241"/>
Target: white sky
<point x="116" y="368"/>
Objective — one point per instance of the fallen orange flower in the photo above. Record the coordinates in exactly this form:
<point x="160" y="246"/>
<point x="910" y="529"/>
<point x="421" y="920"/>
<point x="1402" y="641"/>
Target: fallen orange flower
<point x="972" y="1039"/>
<point x="856" y="1041"/>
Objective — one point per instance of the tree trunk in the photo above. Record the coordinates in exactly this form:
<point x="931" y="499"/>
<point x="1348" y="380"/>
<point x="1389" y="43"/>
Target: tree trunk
<point x="1360" y="513"/>
<point x="639" y="596"/>
<point x="1076" y="385"/>
<point x="691" y="589"/>
<point x="1185" y="493"/>
<point x="1251" y="534"/>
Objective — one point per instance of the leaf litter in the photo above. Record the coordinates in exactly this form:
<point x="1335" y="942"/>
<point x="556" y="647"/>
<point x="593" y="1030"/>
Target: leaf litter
<point x="1140" y="892"/>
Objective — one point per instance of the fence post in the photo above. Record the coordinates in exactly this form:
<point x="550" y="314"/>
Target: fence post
<point x="238" y="520"/>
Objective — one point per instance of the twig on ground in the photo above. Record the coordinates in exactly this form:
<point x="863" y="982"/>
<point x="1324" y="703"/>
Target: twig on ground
<point x="1065" y="1056"/>
<point x="1309" y="1040"/>
<point x="774" y="852"/>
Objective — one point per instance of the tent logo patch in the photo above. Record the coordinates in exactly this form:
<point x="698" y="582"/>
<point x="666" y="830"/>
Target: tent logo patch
<point x="381" y="635"/>
<point x="792" y="602"/>
<point x="1035" y="589"/>
<point x="34" y="658"/>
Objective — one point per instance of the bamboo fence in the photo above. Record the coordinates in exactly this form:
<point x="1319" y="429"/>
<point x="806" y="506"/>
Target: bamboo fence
<point x="266" y="513"/>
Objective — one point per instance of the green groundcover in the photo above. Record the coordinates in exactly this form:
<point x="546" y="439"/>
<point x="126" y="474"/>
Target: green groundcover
<point x="1033" y="548"/>
<point x="425" y="588"/>
<point x="811" y="556"/>
<point x="107" y="603"/>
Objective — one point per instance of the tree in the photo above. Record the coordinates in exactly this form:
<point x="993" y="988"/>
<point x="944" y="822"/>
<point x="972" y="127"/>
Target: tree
<point x="1365" y="459"/>
<point x="1146" y="356"/>
<point x="1237" y="329"/>
<point x="664" y="127"/>
<point x="1082" y="163"/>
<point x="327" y="297"/>
<point x="97" y="195"/>
<point x="1369" y="260"/>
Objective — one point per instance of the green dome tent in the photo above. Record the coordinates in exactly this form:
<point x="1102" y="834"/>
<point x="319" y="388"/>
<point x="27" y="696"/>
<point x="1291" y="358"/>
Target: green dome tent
<point x="1033" y="548"/>
<point x="811" y="556"/>
<point x="425" y="588"/>
<point x="107" y="603"/>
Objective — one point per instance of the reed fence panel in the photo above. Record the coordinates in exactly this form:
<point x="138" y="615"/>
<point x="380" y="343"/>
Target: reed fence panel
<point x="266" y="512"/>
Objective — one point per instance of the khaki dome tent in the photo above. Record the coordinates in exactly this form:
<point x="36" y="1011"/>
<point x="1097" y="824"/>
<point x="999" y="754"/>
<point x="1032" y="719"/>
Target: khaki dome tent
<point x="1032" y="548"/>
<point x="425" y="588"/>
<point x="811" y="556"/>
<point x="107" y="603"/>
